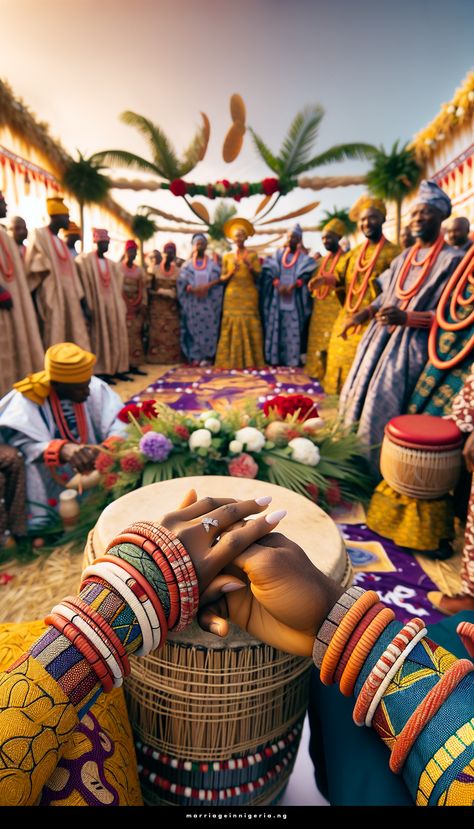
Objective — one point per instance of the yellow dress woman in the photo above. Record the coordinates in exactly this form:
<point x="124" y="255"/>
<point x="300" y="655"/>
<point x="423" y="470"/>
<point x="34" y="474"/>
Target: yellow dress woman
<point x="241" y="341"/>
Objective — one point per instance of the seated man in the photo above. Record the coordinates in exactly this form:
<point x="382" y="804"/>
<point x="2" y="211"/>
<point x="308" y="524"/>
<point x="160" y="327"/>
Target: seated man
<point x="57" y="418"/>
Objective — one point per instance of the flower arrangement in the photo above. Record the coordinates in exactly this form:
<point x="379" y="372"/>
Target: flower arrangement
<point x="286" y="443"/>
<point x="236" y="190"/>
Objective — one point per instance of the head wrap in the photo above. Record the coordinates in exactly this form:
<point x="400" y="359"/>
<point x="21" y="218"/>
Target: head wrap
<point x="430" y="193"/>
<point x="170" y="247"/>
<point x="365" y="202"/>
<point x="237" y="223"/>
<point x="297" y="230"/>
<point x="100" y="235"/>
<point x="63" y="363"/>
<point x="335" y="226"/>
<point x="56" y="207"/>
<point x="196" y="237"/>
<point x="73" y="230"/>
<point x="130" y="244"/>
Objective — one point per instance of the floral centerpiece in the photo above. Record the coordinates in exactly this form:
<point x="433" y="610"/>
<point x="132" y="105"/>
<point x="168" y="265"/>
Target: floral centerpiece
<point x="285" y="442"/>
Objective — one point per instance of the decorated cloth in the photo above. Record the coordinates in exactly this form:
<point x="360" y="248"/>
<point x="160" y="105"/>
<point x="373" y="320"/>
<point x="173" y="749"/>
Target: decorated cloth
<point x="102" y="282"/>
<point x="200" y="316"/>
<point x="341" y="353"/>
<point x="463" y="416"/>
<point x="63" y="363"/>
<point x="389" y="362"/>
<point x="20" y="342"/>
<point x="135" y="296"/>
<point x="30" y="427"/>
<point x="323" y="317"/>
<point x="54" y="280"/>
<point x="285" y="318"/>
<point x="12" y="492"/>
<point x="164" y="315"/>
<point x="351" y="763"/>
<point x="431" y="193"/>
<point x="241" y="341"/>
<point x="97" y="765"/>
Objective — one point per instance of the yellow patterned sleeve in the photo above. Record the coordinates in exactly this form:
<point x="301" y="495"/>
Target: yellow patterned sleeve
<point x="36" y="719"/>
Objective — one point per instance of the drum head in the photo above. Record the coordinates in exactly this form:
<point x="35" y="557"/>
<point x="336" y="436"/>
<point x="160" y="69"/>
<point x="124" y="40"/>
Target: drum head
<point x="306" y="523"/>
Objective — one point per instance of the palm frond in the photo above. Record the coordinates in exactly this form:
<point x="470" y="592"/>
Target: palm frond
<point x="339" y="152"/>
<point x="300" y="139"/>
<point x="196" y="150"/>
<point x="83" y="178"/>
<point x="163" y="153"/>
<point x="394" y="174"/>
<point x="265" y="152"/>
<point x="122" y="158"/>
<point x="154" y="211"/>
<point x="222" y="214"/>
<point x="294" y="213"/>
<point x="341" y="213"/>
<point x="143" y="227"/>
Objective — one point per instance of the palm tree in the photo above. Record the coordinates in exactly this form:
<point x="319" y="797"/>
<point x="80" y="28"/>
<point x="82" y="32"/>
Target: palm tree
<point x="394" y="176"/>
<point x="143" y="228"/>
<point x="341" y="213"/>
<point x="164" y="159"/>
<point x="83" y="178"/>
<point x="295" y="154"/>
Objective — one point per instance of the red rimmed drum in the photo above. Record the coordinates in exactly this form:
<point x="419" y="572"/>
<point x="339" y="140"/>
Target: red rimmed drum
<point x="421" y="456"/>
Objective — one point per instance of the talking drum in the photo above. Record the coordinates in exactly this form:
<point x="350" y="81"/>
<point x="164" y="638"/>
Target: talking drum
<point x="421" y="455"/>
<point x="219" y="720"/>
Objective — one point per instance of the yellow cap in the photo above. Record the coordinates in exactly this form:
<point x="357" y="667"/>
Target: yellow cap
<point x="56" y="207"/>
<point x="364" y="203"/>
<point x="236" y="223"/>
<point x="335" y="226"/>
<point x="63" y="363"/>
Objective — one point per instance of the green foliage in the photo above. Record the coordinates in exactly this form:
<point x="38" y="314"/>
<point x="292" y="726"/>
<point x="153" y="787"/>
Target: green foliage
<point x="143" y="227"/>
<point x="341" y="213"/>
<point x="83" y="178"/>
<point x="222" y="214"/>
<point x="295" y="154"/>
<point x="394" y="174"/>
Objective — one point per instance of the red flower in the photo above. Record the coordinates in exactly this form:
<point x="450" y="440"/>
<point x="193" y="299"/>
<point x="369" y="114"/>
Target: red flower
<point x="245" y="189"/>
<point x="110" y="480"/>
<point x="178" y="187"/>
<point x="148" y="408"/>
<point x="5" y="578"/>
<point x="147" y="428"/>
<point x="287" y="404"/>
<point x="181" y="431"/>
<point x="313" y="492"/>
<point x="225" y="183"/>
<point x="132" y="409"/>
<point x="270" y="186"/>
<point x="131" y="463"/>
<point x="243" y="466"/>
<point x="104" y="462"/>
<point x="333" y="493"/>
<point x="52" y="502"/>
<point x="237" y="198"/>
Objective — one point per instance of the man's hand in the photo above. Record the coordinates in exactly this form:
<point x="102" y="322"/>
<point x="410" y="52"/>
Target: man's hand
<point x="391" y="316"/>
<point x="81" y="458"/>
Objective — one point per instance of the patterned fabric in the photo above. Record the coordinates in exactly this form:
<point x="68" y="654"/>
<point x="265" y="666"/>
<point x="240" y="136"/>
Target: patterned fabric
<point x="135" y="296"/>
<point x="164" y="318"/>
<point x="200" y="316"/>
<point x="463" y="416"/>
<point x="12" y="491"/>
<point x="341" y="352"/>
<point x="241" y="341"/>
<point x="323" y="318"/>
<point x="390" y="359"/>
<point x="409" y="522"/>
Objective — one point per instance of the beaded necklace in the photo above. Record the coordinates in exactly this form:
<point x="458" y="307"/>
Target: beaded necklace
<point x="365" y="268"/>
<point x="425" y="264"/>
<point x="323" y="290"/>
<point x="453" y="294"/>
<point x="104" y="277"/>
<point x="294" y="258"/>
<point x="61" y="422"/>
<point x="132" y="302"/>
<point x="195" y="262"/>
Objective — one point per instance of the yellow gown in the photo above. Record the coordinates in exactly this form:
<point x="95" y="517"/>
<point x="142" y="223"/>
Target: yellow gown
<point x="241" y="341"/>
<point x="323" y="317"/>
<point x="341" y="352"/>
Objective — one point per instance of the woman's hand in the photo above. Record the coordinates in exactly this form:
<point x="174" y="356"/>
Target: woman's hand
<point x="286" y="598"/>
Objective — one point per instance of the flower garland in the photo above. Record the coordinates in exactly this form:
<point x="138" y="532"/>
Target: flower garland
<point x="236" y="190"/>
<point x="285" y="442"/>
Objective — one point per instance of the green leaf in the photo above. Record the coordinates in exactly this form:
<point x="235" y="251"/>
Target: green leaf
<point x="122" y="158"/>
<point x="339" y="152"/>
<point x="300" y="139"/>
<point x="270" y="160"/>
<point x="162" y="150"/>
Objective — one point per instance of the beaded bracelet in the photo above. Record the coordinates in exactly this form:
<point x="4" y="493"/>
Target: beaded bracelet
<point x="121" y="655"/>
<point x="342" y="634"/>
<point x="392" y="672"/>
<point x="52" y="452"/>
<point x="148" y="591"/>
<point x="355" y="636"/>
<point x="95" y="660"/>
<point x="94" y="639"/>
<point x="186" y="558"/>
<point x="117" y="578"/>
<point x="158" y="580"/>
<point x="362" y="649"/>
<point x="382" y="666"/>
<point x="334" y="617"/>
<point x="425" y="712"/>
<point x="465" y="631"/>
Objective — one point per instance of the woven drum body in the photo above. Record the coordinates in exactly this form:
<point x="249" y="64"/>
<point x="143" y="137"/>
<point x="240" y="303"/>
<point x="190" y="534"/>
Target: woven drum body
<point x="219" y="720"/>
<point x="421" y="456"/>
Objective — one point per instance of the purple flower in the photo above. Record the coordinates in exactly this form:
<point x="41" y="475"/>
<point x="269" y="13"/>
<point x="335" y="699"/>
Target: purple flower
<point x="155" y="446"/>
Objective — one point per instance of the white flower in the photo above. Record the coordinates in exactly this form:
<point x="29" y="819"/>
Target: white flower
<point x="201" y="438"/>
<point x="235" y="446"/>
<point x="304" y="451"/>
<point x="252" y="438"/>
<point x="213" y="424"/>
<point x="451" y="109"/>
<point x="312" y="424"/>
<point x="460" y="111"/>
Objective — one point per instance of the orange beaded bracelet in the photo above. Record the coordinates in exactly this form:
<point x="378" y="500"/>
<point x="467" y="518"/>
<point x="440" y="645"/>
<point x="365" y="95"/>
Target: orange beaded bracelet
<point x="342" y="634"/>
<point x="362" y="650"/>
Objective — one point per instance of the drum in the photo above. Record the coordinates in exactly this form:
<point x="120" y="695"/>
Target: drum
<point x="421" y="455"/>
<point x="219" y="720"/>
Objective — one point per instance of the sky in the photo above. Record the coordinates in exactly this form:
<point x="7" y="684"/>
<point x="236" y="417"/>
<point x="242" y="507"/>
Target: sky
<point x="381" y="70"/>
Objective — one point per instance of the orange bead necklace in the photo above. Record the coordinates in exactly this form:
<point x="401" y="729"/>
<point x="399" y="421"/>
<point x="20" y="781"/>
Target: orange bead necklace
<point x="366" y="268"/>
